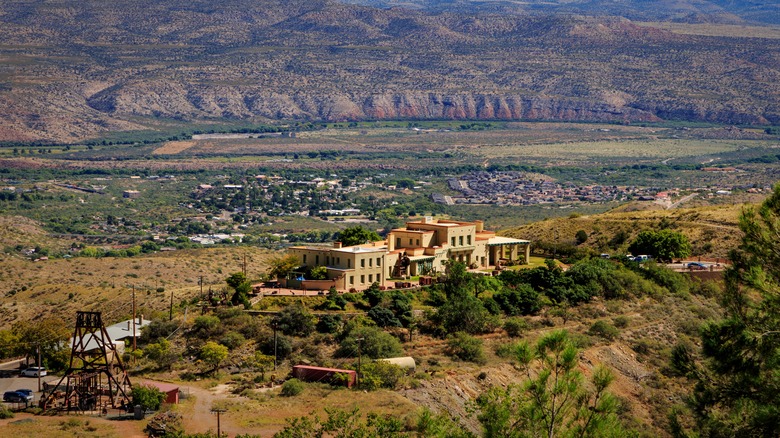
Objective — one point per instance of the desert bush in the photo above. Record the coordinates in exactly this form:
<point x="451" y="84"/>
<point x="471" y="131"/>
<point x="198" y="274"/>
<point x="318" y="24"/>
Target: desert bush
<point x="292" y="388"/>
<point x="380" y="374"/>
<point x="295" y="320"/>
<point x="375" y="344"/>
<point x="232" y="340"/>
<point x="206" y="326"/>
<point x="515" y="327"/>
<point x="620" y="321"/>
<point x="5" y="413"/>
<point x="465" y="347"/>
<point x="157" y="329"/>
<point x="329" y="324"/>
<point x="604" y="329"/>
<point x="283" y="346"/>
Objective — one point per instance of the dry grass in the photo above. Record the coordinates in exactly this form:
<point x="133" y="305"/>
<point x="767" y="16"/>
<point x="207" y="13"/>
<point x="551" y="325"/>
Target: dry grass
<point x="33" y="289"/>
<point x="173" y="147"/>
<point x="26" y="425"/>
<point x="716" y="226"/>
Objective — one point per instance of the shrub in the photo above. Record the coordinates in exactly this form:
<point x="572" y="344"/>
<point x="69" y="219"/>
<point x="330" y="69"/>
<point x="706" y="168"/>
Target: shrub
<point x="621" y="321"/>
<point x="604" y="329"/>
<point x="515" y="327"/>
<point x="329" y="324"/>
<point x="148" y="397"/>
<point x="519" y="300"/>
<point x="5" y="413"/>
<point x="380" y="374"/>
<point x="206" y="326"/>
<point x="283" y="346"/>
<point x="383" y="317"/>
<point x="295" y="320"/>
<point x="375" y="344"/>
<point x="232" y="340"/>
<point x="465" y="347"/>
<point x="292" y="388"/>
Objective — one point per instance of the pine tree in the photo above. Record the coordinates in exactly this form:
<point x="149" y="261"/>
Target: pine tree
<point x="737" y="390"/>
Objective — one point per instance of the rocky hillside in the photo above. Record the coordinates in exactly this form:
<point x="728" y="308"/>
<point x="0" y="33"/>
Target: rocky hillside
<point x="73" y="70"/>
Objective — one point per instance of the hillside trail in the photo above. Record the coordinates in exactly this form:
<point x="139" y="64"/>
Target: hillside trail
<point x="201" y="419"/>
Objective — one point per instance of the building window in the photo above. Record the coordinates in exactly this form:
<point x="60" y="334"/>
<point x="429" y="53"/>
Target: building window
<point x="460" y="240"/>
<point x="349" y="263"/>
<point x="418" y="242"/>
<point x="410" y="242"/>
<point x="327" y="260"/>
<point x="468" y="239"/>
<point x="351" y="279"/>
<point x="398" y="242"/>
<point x="362" y="279"/>
<point x="379" y="261"/>
<point x="317" y="260"/>
<point x="304" y="259"/>
<point x="338" y="261"/>
<point x="452" y="241"/>
<point x="362" y="263"/>
<point x="370" y="262"/>
<point x="370" y="278"/>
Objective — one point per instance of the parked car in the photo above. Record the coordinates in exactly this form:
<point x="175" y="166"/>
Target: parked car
<point x="28" y="393"/>
<point x="696" y="266"/>
<point x="14" y="397"/>
<point x="34" y="372"/>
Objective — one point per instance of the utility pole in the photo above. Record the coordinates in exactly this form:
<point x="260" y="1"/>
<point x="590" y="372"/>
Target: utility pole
<point x="134" y="318"/>
<point x="218" y="411"/>
<point x="273" y="326"/>
<point x="360" y="355"/>
<point x="170" y="317"/>
<point x="244" y="269"/>
<point x="38" y="352"/>
<point x="200" y="282"/>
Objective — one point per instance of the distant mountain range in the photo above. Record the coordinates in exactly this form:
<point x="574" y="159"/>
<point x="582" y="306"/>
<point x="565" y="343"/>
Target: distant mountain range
<point x="77" y="69"/>
<point x="686" y="11"/>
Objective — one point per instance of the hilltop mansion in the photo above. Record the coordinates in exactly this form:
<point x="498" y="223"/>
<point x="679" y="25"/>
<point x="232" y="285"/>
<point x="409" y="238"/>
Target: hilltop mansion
<point x="420" y="248"/>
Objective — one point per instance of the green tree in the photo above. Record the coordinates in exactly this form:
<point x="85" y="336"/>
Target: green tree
<point x="737" y="388"/>
<point x="581" y="237"/>
<point x="261" y="361"/>
<point x="357" y="235"/>
<point x="295" y="320"/>
<point x="280" y="267"/>
<point x="148" y="397"/>
<point x="160" y="353"/>
<point x="8" y="343"/>
<point x="375" y="343"/>
<point x="665" y="245"/>
<point x="554" y="402"/>
<point x="213" y="354"/>
<point x="519" y="300"/>
<point x="242" y="287"/>
<point x="50" y="334"/>
<point x="318" y="273"/>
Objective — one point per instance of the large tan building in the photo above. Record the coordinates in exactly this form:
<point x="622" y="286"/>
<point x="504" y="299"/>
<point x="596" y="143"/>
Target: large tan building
<point x="420" y="248"/>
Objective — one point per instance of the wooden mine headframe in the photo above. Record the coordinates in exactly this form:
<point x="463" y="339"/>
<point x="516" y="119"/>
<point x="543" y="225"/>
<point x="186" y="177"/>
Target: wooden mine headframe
<point x="96" y="376"/>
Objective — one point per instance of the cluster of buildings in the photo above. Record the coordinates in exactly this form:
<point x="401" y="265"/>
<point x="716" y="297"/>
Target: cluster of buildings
<point x="517" y="188"/>
<point x="420" y="248"/>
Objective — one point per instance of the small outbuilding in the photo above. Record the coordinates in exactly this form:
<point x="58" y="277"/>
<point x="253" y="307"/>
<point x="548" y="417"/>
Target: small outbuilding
<point x="325" y="375"/>
<point x="406" y="363"/>
<point x="171" y="391"/>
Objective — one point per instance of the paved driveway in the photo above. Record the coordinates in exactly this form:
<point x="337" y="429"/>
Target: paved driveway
<point x="14" y="383"/>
